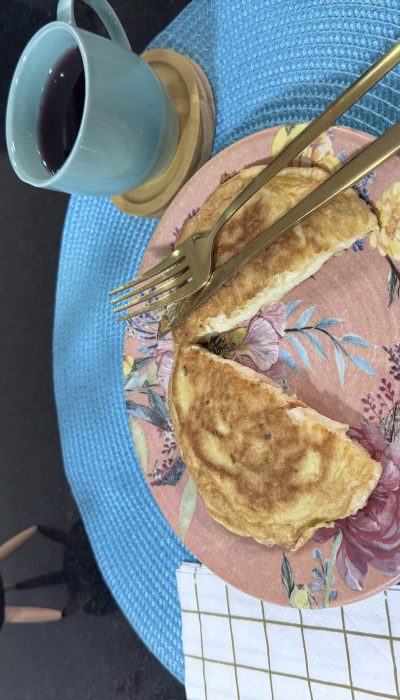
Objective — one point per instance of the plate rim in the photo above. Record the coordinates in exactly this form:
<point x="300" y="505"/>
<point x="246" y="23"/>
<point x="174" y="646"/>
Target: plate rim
<point x="164" y="220"/>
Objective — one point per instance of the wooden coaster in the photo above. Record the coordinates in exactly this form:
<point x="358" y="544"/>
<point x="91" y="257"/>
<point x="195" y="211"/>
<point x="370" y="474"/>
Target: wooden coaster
<point x="191" y="93"/>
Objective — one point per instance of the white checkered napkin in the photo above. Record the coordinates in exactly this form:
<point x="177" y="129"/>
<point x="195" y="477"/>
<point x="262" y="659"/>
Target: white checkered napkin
<point x="239" y="648"/>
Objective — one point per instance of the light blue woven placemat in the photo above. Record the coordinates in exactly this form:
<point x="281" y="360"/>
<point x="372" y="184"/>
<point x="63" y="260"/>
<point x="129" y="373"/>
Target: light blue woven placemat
<point x="269" y="62"/>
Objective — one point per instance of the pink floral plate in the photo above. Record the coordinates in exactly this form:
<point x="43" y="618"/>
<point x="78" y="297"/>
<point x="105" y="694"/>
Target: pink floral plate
<point x="334" y="341"/>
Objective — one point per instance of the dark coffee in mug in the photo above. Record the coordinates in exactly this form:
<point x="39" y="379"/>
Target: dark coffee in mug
<point x="85" y="114"/>
<point x="61" y="109"/>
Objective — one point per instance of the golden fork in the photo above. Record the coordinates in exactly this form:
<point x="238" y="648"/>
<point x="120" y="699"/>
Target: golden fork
<point x="189" y="267"/>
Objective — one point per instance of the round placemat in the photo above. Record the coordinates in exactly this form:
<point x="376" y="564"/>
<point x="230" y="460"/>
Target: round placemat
<point x="268" y="62"/>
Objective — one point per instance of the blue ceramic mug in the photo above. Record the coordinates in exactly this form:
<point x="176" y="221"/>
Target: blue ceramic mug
<point x="129" y="127"/>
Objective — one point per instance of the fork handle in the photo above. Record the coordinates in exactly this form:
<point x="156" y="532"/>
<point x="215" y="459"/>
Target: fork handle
<point x="311" y="132"/>
<point x="360" y="165"/>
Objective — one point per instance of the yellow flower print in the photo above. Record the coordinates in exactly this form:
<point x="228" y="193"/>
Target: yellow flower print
<point x="387" y="237"/>
<point x="320" y="152"/>
<point x="128" y="364"/>
<point x="300" y="597"/>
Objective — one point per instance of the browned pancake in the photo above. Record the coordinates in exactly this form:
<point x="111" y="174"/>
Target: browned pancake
<point x="275" y="270"/>
<point x="267" y="466"/>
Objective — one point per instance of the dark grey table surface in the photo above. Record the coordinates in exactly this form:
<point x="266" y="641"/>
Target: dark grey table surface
<point x="93" y="654"/>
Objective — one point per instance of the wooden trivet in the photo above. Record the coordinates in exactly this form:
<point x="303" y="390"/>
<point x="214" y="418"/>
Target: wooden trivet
<point x="191" y="93"/>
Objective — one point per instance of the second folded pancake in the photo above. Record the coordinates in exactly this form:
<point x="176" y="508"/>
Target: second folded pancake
<point x="266" y="465"/>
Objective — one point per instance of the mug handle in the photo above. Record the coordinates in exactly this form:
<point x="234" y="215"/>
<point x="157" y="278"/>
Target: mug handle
<point x="65" y="13"/>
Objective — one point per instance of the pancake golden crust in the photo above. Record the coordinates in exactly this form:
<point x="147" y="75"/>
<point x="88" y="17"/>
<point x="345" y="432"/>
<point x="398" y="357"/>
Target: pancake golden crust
<point x="266" y="466"/>
<point x="278" y="269"/>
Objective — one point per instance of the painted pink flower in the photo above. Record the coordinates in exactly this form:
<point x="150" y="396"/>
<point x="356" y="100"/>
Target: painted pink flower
<point x="372" y="536"/>
<point x="259" y="349"/>
<point x="164" y="360"/>
<point x="275" y="315"/>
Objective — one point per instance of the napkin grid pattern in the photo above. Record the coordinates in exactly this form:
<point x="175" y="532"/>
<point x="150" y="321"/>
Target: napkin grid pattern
<point x="240" y="648"/>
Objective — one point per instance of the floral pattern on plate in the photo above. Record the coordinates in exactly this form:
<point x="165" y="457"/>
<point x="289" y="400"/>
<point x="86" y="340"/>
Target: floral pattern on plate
<point x="326" y="342"/>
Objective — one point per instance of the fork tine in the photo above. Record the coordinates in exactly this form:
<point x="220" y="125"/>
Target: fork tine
<point x="160" y="303"/>
<point x="171" y="272"/>
<point x="163" y="265"/>
<point x="161" y="289"/>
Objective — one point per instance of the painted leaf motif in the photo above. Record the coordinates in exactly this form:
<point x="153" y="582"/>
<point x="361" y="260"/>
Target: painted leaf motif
<point x="305" y="317"/>
<point x="292" y="306"/>
<point x="390" y="425"/>
<point x="135" y="381"/>
<point x="287" y="576"/>
<point x="333" y="594"/>
<point x="152" y="372"/>
<point x="139" y="438"/>
<point x="357" y="340"/>
<point x="316" y="343"/>
<point x="362" y="364"/>
<point x="339" y="357"/>
<point x="317" y="554"/>
<point x="187" y="507"/>
<point x="392" y="280"/>
<point x="315" y="586"/>
<point x="317" y="574"/>
<point x="328" y="322"/>
<point x="299" y="348"/>
<point x="136" y="410"/>
<point x="358" y="245"/>
<point x="140" y="362"/>
<point x="159" y="404"/>
<point x="286" y="357"/>
<point x="166" y="474"/>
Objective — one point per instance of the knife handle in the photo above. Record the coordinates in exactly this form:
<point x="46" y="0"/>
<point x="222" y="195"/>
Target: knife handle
<point x="360" y="165"/>
<point x="345" y="100"/>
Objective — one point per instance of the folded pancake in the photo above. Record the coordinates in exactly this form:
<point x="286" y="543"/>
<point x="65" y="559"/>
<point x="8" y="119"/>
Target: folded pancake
<point x="266" y="465"/>
<point x="279" y="268"/>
